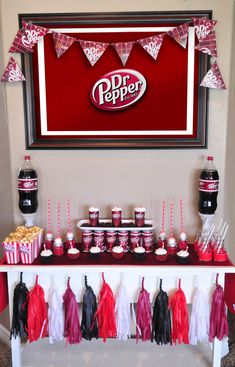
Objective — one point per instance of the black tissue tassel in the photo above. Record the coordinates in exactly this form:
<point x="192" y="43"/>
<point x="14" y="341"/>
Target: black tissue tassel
<point x="20" y="308"/>
<point x="89" y="324"/>
<point x="161" y="322"/>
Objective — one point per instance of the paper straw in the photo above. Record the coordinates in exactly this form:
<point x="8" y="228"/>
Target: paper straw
<point x="163" y="215"/>
<point x="223" y="228"/>
<point x="68" y="215"/>
<point x="171" y="219"/>
<point x="58" y="220"/>
<point x="218" y="228"/>
<point x="181" y="216"/>
<point x="49" y="215"/>
<point x="221" y="241"/>
<point x="208" y="237"/>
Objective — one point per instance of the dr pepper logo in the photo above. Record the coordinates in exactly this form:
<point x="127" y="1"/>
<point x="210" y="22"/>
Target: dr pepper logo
<point x="118" y="89"/>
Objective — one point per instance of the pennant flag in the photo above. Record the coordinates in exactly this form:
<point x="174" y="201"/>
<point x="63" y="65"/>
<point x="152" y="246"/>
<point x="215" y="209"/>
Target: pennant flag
<point x="123" y="49"/>
<point x="203" y="26"/>
<point x="180" y="34"/>
<point x="62" y="42"/>
<point x="213" y="78"/>
<point x="152" y="44"/>
<point x="207" y="45"/>
<point x="20" y="43"/>
<point x="12" y="72"/>
<point x="34" y="33"/>
<point x="93" y="50"/>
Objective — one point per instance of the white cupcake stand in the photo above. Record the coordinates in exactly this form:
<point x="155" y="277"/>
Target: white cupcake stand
<point x="191" y="277"/>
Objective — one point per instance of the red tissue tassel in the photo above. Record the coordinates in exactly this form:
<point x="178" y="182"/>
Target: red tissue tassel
<point x="180" y="325"/>
<point x="218" y="320"/>
<point x="37" y="313"/>
<point x="72" y="328"/>
<point x="143" y="315"/>
<point x="106" y="313"/>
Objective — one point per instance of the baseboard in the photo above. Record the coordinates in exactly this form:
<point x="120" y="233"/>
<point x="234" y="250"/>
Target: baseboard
<point x="5" y="335"/>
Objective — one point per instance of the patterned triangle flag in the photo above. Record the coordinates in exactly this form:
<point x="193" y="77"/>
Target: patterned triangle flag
<point x="20" y="43"/>
<point x="207" y="44"/>
<point x="93" y="50"/>
<point x="180" y="34"/>
<point x="12" y="73"/>
<point x="123" y="49"/>
<point x="34" y="33"/>
<point x="213" y="78"/>
<point x="203" y="26"/>
<point x="62" y="43"/>
<point x="152" y="44"/>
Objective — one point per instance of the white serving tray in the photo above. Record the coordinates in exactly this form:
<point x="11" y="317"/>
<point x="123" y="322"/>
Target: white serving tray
<point x="82" y="225"/>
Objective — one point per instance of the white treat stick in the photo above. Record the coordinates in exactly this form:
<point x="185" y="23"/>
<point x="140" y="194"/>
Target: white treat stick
<point x="221" y="241"/>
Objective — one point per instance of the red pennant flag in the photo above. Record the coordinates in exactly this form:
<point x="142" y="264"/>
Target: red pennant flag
<point x="213" y="78"/>
<point x="93" y="50"/>
<point x="34" y="33"/>
<point x="152" y="45"/>
<point x="62" y="43"/>
<point x="203" y="26"/>
<point x="207" y="45"/>
<point x="12" y="72"/>
<point x="180" y="34"/>
<point x="20" y="43"/>
<point x="123" y="49"/>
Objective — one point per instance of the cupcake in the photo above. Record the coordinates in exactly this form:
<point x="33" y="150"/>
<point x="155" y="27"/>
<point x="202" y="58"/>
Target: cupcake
<point x="139" y="253"/>
<point x="46" y="256"/>
<point x="95" y="252"/>
<point x="161" y="254"/>
<point x="182" y="256"/>
<point x="73" y="253"/>
<point x="117" y="252"/>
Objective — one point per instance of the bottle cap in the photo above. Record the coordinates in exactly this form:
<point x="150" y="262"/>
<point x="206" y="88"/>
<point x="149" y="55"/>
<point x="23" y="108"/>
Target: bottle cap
<point x="210" y="158"/>
<point x="27" y="157"/>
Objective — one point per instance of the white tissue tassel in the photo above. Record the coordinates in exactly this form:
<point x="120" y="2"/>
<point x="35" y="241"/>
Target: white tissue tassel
<point x="55" y="316"/>
<point x="199" y="322"/>
<point x="122" y="311"/>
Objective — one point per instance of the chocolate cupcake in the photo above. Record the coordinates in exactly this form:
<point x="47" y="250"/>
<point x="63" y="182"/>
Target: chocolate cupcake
<point x="182" y="257"/>
<point x="95" y="252"/>
<point x="46" y="256"/>
<point x="139" y="253"/>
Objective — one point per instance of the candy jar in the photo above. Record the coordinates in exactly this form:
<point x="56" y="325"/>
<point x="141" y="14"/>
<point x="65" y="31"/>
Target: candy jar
<point x="49" y="241"/>
<point x="172" y="246"/>
<point x="182" y="244"/>
<point x="70" y="241"/>
<point x="162" y="241"/>
<point x="58" y="247"/>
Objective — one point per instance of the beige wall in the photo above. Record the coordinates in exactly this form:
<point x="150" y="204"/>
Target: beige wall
<point x="125" y="178"/>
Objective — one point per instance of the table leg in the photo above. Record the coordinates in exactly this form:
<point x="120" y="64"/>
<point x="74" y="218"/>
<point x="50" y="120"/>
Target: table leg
<point x="13" y="279"/>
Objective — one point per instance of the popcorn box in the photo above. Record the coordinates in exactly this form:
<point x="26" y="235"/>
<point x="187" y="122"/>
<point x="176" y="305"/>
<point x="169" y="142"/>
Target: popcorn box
<point x="11" y="252"/>
<point x="27" y="252"/>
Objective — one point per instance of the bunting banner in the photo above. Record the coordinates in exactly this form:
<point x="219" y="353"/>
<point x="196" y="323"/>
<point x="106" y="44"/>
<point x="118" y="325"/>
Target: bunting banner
<point x="213" y="78"/>
<point x="62" y="43"/>
<point x="180" y="34"/>
<point x="12" y="72"/>
<point x="207" y="44"/>
<point x="93" y="50"/>
<point x="20" y="43"/>
<point x="34" y="33"/>
<point x="203" y="27"/>
<point x="152" y="44"/>
<point x="123" y="49"/>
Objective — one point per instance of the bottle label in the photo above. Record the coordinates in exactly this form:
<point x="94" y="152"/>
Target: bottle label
<point x="209" y="185"/>
<point x="27" y="184"/>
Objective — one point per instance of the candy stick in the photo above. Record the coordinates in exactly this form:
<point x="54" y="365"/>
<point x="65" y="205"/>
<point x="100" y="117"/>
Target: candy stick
<point x="171" y="219"/>
<point x="222" y="240"/>
<point x="49" y="215"/>
<point x="181" y="216"/>
<point x="58" y="219"/>
<point x="163" y="215"/>
<point x="68" y="215"/>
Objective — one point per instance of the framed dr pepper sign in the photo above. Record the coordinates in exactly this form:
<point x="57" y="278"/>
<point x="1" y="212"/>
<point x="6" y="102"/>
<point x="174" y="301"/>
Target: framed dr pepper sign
<point x="114" y="80"/>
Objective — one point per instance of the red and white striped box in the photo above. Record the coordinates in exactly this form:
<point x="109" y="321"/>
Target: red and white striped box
<point x="27" y="252"/>
<point x="11" y="252"/>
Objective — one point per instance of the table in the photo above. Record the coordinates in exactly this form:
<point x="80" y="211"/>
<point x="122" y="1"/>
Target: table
<point x="202" y="276"/>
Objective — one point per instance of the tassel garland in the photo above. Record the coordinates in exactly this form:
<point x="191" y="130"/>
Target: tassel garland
<point x="179" y="317"/>
<point x="161" y="322"/>
<point x="89" y="309"/>
<point x="55" y="317"/>
<point x="20" y="308"/>
<point x="123" y="314"/>
<point x="105" y="313"/>
<point x="72" y="329"/>
<point x="37" y="313"/>
<point x="143" y="315"/>
<point x="218" y="321"/>
<point x="199" y="322"/>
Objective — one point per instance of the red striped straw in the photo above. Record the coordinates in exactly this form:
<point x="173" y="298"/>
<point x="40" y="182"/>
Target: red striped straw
<point x="171" y="219"/>
<point x="181" y="216"/>
<point x="58" y="220"/>
<point x="68" y="215"/>
<point x="49" y="215"/>
<point x="163" y="215"/>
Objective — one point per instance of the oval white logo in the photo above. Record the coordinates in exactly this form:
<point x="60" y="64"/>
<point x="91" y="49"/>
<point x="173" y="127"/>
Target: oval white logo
<point x="118" y="89"/>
